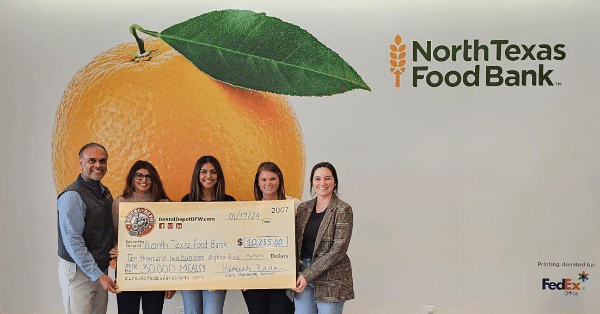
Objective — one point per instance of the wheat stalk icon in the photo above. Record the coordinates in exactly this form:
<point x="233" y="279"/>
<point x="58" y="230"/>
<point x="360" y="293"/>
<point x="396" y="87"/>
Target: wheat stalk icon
<point x="397" y="58"/>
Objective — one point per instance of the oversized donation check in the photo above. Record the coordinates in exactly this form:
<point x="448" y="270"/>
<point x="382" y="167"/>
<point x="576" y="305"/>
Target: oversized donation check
<point x="206" y="245"/>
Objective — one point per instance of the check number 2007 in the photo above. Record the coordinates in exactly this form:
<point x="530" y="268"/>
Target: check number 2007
<point x="258" y="242"/>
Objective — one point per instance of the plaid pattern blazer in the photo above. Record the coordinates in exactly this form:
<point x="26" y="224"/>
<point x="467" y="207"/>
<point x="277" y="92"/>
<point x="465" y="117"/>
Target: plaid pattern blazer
<point x="331" y="272"/>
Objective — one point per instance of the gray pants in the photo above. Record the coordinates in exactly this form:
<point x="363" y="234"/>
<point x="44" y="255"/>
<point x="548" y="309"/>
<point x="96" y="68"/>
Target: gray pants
<point x="80" y="294"/>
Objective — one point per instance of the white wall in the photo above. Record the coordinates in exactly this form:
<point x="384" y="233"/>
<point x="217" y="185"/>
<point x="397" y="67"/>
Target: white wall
<point x="458" y="193"/>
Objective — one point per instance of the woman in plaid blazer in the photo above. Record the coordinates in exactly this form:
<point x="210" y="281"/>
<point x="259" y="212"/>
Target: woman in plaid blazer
<point x="323" y="230"/>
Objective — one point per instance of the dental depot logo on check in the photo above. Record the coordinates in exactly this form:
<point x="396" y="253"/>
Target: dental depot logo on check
<point x="140" y="221"/>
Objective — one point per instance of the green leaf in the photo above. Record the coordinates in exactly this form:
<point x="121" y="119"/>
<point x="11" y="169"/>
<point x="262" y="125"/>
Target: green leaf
<point x="263" y="53"/>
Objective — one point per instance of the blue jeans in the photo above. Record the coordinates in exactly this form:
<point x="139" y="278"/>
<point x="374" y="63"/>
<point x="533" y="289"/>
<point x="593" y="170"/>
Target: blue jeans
<point x="305" y="303"/>
<point x="203" y="301"/>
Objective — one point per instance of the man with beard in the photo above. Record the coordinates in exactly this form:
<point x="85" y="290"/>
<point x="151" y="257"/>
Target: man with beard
<point x="85" y="236"/>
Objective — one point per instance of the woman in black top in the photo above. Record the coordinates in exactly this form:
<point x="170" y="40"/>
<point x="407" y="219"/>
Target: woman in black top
<point x="323" y="232"/>
<point x="268" y="185"/>
<point x="208" y="185"/>
<point x="208" y="182"/>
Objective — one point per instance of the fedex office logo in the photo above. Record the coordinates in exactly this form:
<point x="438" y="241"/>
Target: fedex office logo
<point x="565" y="284"/>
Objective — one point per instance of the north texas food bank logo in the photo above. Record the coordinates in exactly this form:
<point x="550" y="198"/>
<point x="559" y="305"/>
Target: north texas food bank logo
<point x="569" y="286"/>
<point x="475" y="62"/>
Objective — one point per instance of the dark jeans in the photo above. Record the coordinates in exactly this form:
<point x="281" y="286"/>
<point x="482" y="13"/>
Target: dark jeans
<point x="128" y="302"/>
<point x="268" y="301"/>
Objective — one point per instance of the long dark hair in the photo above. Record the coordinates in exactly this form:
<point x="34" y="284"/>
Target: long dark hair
<point x="271" y="167"/>
<point x="329" y="166"/>
<point x="196" y="188"/>
<point x="157" y="190"/>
